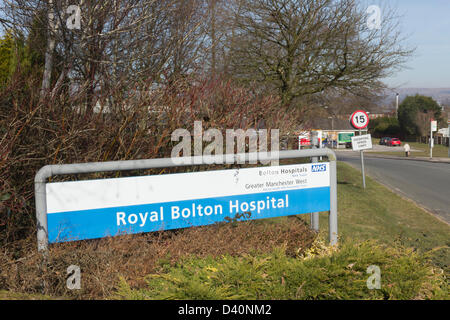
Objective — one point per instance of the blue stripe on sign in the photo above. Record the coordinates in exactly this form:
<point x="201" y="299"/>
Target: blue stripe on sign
<point x="98" y="223"/>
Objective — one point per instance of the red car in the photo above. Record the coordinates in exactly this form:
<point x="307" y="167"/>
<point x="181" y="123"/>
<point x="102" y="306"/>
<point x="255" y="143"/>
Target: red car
<point x="393" y="142"/>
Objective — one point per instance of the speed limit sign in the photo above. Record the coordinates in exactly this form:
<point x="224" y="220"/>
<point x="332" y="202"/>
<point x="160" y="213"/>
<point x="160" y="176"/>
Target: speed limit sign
<point x="359" y="119"/>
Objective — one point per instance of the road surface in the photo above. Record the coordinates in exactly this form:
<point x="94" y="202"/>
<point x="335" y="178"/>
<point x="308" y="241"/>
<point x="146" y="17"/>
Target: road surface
<point x="428" y="184"/>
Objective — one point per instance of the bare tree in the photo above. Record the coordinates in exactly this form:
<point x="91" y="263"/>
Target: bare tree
<point x="120" y="43"/>
<point x="45" y="87"/>
<point x="303" y="47"/>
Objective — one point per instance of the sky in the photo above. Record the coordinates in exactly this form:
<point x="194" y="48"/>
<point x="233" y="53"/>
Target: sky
<point x="426" y="23"/>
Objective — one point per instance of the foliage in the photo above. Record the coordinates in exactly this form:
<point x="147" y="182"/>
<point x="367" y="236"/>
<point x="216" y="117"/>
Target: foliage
<point x="13" y="57"/>
<point x="20" y="56"/>
<point x="6" y="54"/>
<point x="409" y="113"/>
<point x="405" y="274"/>
<point x="384" y="126"/>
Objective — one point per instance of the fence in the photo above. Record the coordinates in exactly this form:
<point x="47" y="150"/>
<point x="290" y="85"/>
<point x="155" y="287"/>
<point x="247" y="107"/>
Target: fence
<point x="437" y="140"/>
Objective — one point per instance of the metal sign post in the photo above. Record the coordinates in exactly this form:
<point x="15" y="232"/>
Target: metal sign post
<point x="362" y="165"/>
<point x="448" y="123"/>
<point x="433" y="127"/>
<point x="360" y="120"/>
<point x="431" y="143"/>
<point x="361" y="143"/>
<point x="314" y="215"/>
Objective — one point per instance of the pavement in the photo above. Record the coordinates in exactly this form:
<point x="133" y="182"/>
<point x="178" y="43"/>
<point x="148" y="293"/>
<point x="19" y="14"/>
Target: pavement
<point x="383" y="148"/>
<point x="427" y="159"/>
<point x="424" y="181"/>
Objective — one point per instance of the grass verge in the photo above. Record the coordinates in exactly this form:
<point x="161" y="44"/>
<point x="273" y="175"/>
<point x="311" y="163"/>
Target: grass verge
<point x="378" y="213"/>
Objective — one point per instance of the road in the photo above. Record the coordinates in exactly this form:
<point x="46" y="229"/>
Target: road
<point x="428" y="184"/>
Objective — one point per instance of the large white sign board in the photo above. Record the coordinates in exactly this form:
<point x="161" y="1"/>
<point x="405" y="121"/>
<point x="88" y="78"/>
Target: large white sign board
<point x="97" y="208"/>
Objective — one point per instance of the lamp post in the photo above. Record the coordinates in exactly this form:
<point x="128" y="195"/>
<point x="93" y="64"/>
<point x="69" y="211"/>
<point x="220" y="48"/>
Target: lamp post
<point x="332" y="123"/>
<point x="332" y="119"/>
<point x="396" y="105"/>
<point x="332" y="116"/>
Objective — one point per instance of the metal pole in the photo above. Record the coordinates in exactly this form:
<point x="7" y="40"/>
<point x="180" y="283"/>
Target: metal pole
<point x="396" y="105"/>
<point x="333" y="219"/>
<point x="315" y="215"/>
<point x="448" y="122"/>
<point x="362" y="165"/>
<point x="362" y="169"/>
<point x="431" y="141"/>
<point x="50" y="170"/>
<point x="41" y="211"/>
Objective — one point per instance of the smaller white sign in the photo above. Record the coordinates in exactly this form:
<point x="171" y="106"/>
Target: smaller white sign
<point x="433" y="125"/>
<point x="363" y="142"/>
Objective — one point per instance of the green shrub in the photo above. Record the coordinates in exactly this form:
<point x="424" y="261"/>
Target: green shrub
<point x="385" y="126"/>
<point x="327" y="274"/>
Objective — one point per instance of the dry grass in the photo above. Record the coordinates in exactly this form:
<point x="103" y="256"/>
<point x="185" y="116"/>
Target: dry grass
<point x="133" y="257"/>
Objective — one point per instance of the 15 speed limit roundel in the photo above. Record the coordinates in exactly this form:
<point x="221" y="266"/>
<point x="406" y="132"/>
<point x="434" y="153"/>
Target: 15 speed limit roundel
<point x="359" y="119"/>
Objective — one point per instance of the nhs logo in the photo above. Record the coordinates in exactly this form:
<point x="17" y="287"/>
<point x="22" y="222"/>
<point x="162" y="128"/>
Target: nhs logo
<point x="319" y="168"/>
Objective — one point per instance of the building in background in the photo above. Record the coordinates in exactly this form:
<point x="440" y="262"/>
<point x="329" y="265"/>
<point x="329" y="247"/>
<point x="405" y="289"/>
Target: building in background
<point x="333" y="132"/>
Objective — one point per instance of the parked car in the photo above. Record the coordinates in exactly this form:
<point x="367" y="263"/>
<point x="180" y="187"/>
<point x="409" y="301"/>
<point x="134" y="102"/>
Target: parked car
<point x="348" y="145"/>
<point x="384" y="140"/>
<point x="394" y="142"/>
